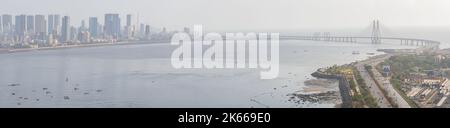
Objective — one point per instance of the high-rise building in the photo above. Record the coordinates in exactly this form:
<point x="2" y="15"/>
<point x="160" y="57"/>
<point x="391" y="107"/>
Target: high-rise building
<point x="7" y="24"/>
<point x="83" y="26"/>
<point x="112" y="25"/>
<point x="1" y="26"/>
<point x="30" y="24"/>
<point x="142" y="30"/>
<point x="129" y="16"/>
<point x="41" y="26"/>
<point x="20" y="26"/>
<point x="84" y="37"/>
<point x="51" y="23"/>
<point x="93" y="26"/>
<point x="54" y="24"/>
<point x="129" y="28"/>
<point x="57" y="21"/>
<point x="65" y="29"/>
<point x="147" y="31"/>
<point x="73" y="34"/>
<point x="100" y="30"/>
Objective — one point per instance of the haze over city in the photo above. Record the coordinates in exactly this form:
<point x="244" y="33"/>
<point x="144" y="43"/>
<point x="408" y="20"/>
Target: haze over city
<point x="249" y="14"/>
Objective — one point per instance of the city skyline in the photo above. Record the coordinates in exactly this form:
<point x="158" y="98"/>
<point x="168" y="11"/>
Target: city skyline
<point x="50" y="30"/>
<point x="236" y="14"/>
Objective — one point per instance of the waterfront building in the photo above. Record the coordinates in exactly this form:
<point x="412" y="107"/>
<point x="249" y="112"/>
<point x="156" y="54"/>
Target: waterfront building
<point x="30" y="24"/>
<point x="129" y="28"/>
<point x="65" y="30"/>
<point x="57" y="25"/>
<point x="129" y="16"/>
<point x="20" y="27"/>
<point x="142" y="30"/>
<point x="84" y="37"/>
<point x="1" y="26"/>
<point x="73" y="34"/>
<point x="7" y="24"/>
<point x="54" y="24"/>
<point x="50" y="23"/>
<point x="41" y="27"/>
<point x="93" y="26"/>
<point x="112" y="25"/>
<point x="147" y="31"/>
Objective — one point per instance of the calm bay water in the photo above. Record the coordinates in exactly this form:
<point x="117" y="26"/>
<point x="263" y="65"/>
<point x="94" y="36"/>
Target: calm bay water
<point x="142" y="76"/>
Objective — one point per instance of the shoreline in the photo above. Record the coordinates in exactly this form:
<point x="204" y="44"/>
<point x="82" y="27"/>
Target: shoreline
<point x="344" y="89"/>
<point x="11" y="51"/>
<point x="344" y="85"/>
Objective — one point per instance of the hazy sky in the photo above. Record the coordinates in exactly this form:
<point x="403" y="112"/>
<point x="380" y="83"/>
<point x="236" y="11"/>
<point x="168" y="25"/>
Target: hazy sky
<point x="248" y="14"/>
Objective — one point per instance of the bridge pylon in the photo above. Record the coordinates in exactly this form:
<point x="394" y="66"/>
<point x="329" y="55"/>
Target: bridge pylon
<point x="376" y="33"/>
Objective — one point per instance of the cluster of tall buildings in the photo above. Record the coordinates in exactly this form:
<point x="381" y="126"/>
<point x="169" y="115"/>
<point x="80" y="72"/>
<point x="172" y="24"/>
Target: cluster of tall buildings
<point x="48" y="30"/>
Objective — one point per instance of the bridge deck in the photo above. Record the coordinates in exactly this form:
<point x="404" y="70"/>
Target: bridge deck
<point x="355" y="38"/>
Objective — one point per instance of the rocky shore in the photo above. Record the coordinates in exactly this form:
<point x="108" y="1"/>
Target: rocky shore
<point x="344" y="87"/>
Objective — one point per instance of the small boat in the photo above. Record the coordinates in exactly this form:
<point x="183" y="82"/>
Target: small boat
<point x="370" y="53"/>
<point x="355" y="52"/>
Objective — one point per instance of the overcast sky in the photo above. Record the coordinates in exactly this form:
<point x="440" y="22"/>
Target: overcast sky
<point x="248" y="14"/>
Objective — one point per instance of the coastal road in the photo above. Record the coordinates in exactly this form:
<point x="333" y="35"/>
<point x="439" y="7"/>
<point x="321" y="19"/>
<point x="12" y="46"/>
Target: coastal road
<point x="390" y="90"/>
<point x="371" y="85"/>
<point x="384" y="82"/>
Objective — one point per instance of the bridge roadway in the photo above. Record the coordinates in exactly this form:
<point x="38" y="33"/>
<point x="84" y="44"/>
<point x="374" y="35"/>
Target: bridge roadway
<point x="403" y="41"/>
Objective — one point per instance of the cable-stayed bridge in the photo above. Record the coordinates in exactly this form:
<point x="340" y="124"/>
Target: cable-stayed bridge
<point x="375" y="38"/>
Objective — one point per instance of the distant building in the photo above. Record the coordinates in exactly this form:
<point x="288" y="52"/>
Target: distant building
<point x="65" y="30"/>
<point x="129" y="28"/>
<point x="73" y="34"/>
<point x="7" y="24"/>
<point x="57" y="25"/>
<point x="20" y="27"/>
<point x="1" y="26"/>
<point x="142" y="30"/>
<point x="30" y="24"/>
<point x="51" y="40"/>
<point x="93" y="26"/>
<point x="83" y="26"/>
<point x="112" y="25"/>
<point x="54" y="24"/>
<point x="41" y="27"/>
<point x="147" y="31"/>
<point x="84" y="37"/>
<point x="129" y="16"/>
<point x="100" y="30"/>
<point x="51" y="23"/>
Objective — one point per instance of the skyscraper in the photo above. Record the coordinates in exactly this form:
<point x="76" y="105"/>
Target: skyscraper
<point x="73" y="33"/>
<point x="112" y="25"/>
<point x="142" y="30"/>
<point x="1" y="26"/>
<point x="7" y="24"/>
<point x="93" y="26"/>
<point x="40" y="26"/>
<point x="65" y="30"/>
<point x="129" y="19"/>
<point x="54" y="24"/>
<point x="147" y="31"/>
<point x="20" y="26"/>
<point x="83" y="26"/>
<point x="30" y="24"/>
<point x="129" y="29"/>
<point x="51" y="24"/>
<point x="100" y="30"/>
